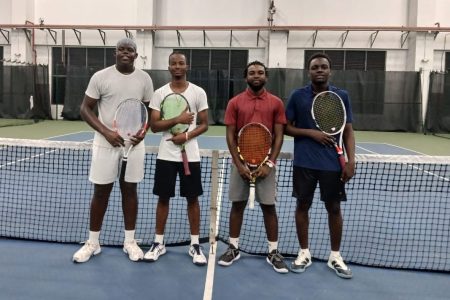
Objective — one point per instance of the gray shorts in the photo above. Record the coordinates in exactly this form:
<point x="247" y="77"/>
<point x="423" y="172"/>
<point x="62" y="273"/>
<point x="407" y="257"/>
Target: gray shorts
<point x="265" y="189"/>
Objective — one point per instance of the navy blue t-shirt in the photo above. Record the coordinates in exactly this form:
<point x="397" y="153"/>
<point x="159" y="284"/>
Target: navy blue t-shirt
<point x="307" y="152"/>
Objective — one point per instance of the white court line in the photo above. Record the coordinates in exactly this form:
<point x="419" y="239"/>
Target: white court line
<point x="67" y="134"/>
<point x="409" y="165"/>
<point x="26" y="158"/>
<point x="364" y="149"/>
<point x="390" y="145"/>
<point x="209" y="282"/>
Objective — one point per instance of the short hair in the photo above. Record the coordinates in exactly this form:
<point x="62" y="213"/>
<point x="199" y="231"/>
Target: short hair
<point x="318" y="55"/>
<point x="255" y="63"/>
<point x="175" y="52"/>
<point x="126" y="41"/>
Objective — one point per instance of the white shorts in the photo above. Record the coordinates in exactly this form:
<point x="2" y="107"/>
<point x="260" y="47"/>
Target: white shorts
<point x="106" y="160"/>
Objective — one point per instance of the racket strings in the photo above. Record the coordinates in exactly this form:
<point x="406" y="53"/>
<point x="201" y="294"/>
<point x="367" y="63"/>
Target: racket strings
<point x="254" y="144"/>
<point x="172" y="106"/>
<point x="130" y="118"/>
<point x="329" y="113"/>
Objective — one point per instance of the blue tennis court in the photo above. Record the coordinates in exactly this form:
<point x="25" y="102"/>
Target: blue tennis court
<point x="34" y="267"/>
<point x="219" y="143"/>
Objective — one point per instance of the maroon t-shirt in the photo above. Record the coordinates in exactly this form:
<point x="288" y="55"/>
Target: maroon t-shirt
<point x="247" y="107"/>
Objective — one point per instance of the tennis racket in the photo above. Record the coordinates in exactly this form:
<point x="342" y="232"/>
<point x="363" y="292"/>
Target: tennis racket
<point x="172" y="106"/>
<point x="328" y="112"/>
<point x="130" y="119"/>
<point x="254" y="145"/>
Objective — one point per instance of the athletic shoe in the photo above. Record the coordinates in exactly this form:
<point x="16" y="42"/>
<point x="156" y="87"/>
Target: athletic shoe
<point x="156" y="250"/>
<point x="337" y="264"/>
<point x="197" y="255"/>
<point x="302" y="261"/>
<point x="277" y="261"/>
<point x="84" y="253"/>
<point x="232" y="254"/>
<point x="132" y="249"/>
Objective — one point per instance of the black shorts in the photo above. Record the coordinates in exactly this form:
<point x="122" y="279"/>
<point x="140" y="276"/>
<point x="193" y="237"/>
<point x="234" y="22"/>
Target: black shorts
<point x="305" y="182"/>
<point x="166" y="178"/>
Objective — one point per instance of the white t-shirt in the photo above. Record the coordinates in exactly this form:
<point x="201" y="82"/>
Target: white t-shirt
<point x="198" y="101"/>
<point x="110" y="88"/>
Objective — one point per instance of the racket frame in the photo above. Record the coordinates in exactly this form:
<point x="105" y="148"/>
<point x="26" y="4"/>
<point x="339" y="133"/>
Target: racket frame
<point x="252" y="166"/>
<point x="340" y="131"/>
<point x="184" y="157"/>
<point x="128" y="146"/>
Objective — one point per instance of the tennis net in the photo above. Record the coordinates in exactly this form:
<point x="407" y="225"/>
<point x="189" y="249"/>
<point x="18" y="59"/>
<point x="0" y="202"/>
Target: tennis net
<point x="397" y="213"/>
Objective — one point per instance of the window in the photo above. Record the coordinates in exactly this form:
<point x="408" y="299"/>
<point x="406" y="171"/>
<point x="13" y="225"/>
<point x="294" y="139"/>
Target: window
<point x="352" y="59"/>
<point x="90" y="59"/>
<point x="206" y="59"/>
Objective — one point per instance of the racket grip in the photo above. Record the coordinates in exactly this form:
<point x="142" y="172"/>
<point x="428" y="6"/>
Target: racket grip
<point x="251" y="197"/>
<point x="341" y="157"/>
<point x="122" y="170"/>
<point x="187" y="171"/>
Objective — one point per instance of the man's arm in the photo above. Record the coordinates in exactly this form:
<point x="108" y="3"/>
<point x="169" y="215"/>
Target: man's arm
<point x="88" y="115"/>
<point x="349" y="144"/>
<point x="242" y="168"/>
<point x="314" y="134"/>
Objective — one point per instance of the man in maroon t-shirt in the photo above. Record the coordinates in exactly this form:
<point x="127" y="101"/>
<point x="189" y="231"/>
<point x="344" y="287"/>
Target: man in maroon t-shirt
<point x="255" y="104"/>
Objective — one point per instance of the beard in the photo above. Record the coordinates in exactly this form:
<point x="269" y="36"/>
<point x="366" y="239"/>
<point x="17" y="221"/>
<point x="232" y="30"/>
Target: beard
<point x="256" y="87"/>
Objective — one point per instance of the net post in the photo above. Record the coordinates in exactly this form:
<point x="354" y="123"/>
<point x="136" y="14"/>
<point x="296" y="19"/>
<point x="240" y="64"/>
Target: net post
<point x="213" y="204"/>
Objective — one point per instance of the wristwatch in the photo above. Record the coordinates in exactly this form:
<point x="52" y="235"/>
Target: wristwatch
<point x="269" y="164"/>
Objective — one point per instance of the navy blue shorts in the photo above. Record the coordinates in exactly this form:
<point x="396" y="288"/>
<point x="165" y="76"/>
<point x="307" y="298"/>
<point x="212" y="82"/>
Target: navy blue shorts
<point x="166" y="176"/>
<point x="305" y="182"/>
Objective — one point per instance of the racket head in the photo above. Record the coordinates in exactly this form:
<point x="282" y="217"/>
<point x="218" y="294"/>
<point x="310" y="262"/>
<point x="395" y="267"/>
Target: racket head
<point x="172" y="106"/>
<point x="328" y="112"/>
<point x="130" y="118"/>
<point x="254" y="143"/>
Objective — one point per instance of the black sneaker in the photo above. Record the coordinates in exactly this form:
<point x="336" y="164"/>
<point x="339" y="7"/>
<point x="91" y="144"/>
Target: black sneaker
<point x="277" y="261"/>
<point x="232" y="254"/>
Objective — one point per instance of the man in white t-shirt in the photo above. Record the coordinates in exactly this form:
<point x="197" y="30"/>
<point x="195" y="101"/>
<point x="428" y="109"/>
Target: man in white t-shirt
<point x="169" y="163"/>
<point x="106" y="90"/>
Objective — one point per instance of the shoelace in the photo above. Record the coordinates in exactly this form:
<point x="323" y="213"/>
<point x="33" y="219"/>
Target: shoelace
<point x="196" y="249"/>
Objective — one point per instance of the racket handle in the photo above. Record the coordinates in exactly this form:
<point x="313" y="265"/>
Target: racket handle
<point x="251" y="197"/>
<point x="187" y="171"/>
<point x="123" y="170"/>
<point x="340" y="156"/>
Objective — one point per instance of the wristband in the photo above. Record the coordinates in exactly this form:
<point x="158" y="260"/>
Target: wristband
<point x="187" y="136"/>
<point x="272" y="162"/>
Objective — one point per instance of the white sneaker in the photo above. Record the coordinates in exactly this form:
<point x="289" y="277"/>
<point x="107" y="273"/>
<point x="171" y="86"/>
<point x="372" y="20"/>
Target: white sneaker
<point x="198" y="258"/>
<point x="302" y="261"/>
<point x="156" y="250"/>
<point x="132" y="249"/>
<point x="337" y="264"/>
<point x="84" y="253"/>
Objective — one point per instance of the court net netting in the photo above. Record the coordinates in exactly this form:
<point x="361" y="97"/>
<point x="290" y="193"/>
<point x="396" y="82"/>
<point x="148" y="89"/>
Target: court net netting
<point x="397" y="214"/>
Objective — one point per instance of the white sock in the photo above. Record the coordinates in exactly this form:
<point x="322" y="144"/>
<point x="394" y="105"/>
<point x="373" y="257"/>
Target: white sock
<point x="129" y="235"/>
<point x="94" y="236"/>
<point x="306" y="250"/>
<point x="159" y="238"/>
<point x="234" y="242"/>
<point x="194" y="239"/>
<point x="272" y="246"/>
<point x="335" y="254"/>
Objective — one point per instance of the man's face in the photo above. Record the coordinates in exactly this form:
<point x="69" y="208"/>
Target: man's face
<point x="256" y="77"/>
<point x="125" y="54"/>
<point x="177" y="65"/>
<point x="319" y="70"/>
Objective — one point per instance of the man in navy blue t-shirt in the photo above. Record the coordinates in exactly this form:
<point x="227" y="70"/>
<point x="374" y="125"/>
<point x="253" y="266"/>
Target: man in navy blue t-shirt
<point x="316" y="161"/>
